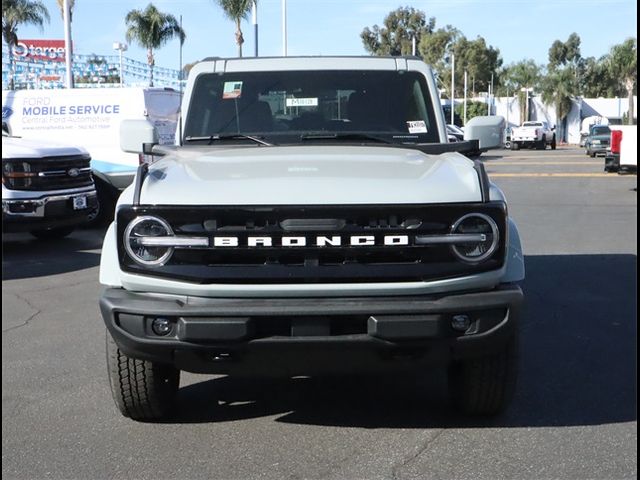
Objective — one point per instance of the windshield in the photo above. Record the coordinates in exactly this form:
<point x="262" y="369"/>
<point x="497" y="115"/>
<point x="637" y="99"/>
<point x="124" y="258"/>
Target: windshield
<point x="600" y="131"/>
<point x="291" y="106"/>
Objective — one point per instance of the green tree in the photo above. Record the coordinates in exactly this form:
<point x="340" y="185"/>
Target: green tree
<point x="475" y="56"/>
<point x="436" y="48"/>
<point x="525" y="74"/>
<point x="559" y="87"/>
<point x="396" y="35"/>
<point x="20" y="12"/>
<point x="623" y="60"/>
<point x="479" y="60"/>
<point x="151" y="29"/>
<point x="597" y="79"/>
<point x="563" y="80"/>
<point x="237" y="10"/>
<point x="474" y="109"/>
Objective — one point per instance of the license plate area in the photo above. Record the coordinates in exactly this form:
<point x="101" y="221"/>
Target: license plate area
<point x="80" y="202"/>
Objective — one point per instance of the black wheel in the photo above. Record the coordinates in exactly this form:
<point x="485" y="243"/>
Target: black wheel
<point x="592" y="154"/>
<point x="553" y="143"/>
<point x="142" y="390"/>
<point x="52" y="233"/>
<point x="106" y="205"/>
<point x="541" y="145"/>
<point x="484" y="386"/>
<point x="515" y="146"/>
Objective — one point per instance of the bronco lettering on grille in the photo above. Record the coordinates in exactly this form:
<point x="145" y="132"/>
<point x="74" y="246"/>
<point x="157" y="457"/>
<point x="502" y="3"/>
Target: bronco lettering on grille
<point x="318" y="241"/>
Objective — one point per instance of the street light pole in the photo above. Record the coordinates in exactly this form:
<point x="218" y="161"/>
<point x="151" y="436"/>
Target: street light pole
<point x="254" y="10"/>
<point x="284" y="28"/>
<point x="121" y="47"/>
<point x="67" y="42"/>
<point x="464" y="121"/>
<point x="453" y="69"/>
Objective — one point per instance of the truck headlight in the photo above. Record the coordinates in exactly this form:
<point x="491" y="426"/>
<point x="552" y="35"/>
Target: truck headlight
<point x="144" y="227"/>
<point x="488" y="237"/>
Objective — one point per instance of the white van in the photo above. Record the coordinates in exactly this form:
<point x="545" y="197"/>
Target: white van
<point x="90" y="118"/>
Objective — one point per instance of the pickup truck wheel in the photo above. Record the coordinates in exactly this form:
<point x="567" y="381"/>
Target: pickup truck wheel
<point x="541" y="145"/>
<point x="553" y="143"/>
<point x="515" y="146"/>
<point x="106" y="205"/>
<point x="52" y="233"/>
<point x="142" y="390"/>
<point x="485" y="385"/>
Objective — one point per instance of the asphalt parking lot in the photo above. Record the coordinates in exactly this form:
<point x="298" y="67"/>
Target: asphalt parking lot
<point x="574" y="415"/>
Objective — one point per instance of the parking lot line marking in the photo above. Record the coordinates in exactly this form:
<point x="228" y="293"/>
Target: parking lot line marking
<point x="497" y="164"/>
<point x="599" y="175"/>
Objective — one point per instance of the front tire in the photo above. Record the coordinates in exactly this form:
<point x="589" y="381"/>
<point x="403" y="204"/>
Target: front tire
<point x="485" y="385"/>
<point x="142" y="390"/>
<point x="52" y="233"/>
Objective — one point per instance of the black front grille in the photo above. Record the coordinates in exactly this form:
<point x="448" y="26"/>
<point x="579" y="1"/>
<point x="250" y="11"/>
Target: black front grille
<point x="47" y="173"/>
<point x="312" y="264"/>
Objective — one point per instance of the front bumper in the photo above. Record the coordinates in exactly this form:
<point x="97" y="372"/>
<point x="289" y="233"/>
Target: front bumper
<point x="48" y="211"/>
<point x="299" y="336"/>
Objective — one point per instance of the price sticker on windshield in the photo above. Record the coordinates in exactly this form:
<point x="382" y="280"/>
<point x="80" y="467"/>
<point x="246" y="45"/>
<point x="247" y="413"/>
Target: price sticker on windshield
<point x="232" y="90"/>
<point x="417" y="126"/>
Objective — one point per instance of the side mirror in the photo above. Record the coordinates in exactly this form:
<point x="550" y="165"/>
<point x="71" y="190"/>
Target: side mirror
<point x="553" y="128"/>
<point x="137" y="136"/>
<point x="488" y="130"/>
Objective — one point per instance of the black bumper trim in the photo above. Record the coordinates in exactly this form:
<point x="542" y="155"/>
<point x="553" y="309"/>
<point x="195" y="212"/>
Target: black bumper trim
<point x="223" y="335"/>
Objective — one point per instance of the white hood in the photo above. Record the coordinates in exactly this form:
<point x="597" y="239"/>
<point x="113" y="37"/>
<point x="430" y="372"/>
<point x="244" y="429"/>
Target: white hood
<point x="16" y="147"/>
<point x="308" y="175"/>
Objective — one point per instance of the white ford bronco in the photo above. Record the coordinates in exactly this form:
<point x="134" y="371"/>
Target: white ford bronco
<point x="311" y="218"/>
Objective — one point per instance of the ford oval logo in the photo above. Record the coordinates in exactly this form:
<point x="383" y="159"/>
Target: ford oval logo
<point x="73" y="172"/>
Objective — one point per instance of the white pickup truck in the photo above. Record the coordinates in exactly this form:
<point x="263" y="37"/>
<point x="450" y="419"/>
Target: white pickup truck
<point x="622" y="156"/>
<point x="533" y="134"/>
<point x="47" y="188"/>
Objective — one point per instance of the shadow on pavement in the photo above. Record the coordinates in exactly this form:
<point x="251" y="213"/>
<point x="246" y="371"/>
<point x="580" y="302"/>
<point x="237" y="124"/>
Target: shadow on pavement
<point x="24" y="256"/>
<point x="578" y="366"/>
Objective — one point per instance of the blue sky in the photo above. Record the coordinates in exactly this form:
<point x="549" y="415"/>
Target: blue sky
<point x="518" y="28"/>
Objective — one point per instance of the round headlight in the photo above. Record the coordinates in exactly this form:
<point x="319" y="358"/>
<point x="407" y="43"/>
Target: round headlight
<point x="140" y="228"/>
<point x="484" y="228"/>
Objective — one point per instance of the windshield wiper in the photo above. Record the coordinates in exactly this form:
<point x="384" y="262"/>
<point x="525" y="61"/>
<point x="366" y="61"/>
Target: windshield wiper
<point x="343" y="136"/>
<point x="230" y="136"/>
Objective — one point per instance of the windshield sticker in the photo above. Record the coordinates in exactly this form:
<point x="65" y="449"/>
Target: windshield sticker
<point x="302" y="102"/>
<point x="232" y="90"/>
<point x="417" y="126"/>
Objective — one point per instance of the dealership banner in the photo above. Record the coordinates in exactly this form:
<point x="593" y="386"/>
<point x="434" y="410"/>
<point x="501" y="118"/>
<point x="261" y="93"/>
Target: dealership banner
<point x="47" y="50"/>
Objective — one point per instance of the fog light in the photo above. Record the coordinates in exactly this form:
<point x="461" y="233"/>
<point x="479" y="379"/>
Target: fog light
<point x="161" y="326"/>
<point x="460" y="322"/>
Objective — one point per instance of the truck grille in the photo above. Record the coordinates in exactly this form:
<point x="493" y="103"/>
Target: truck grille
<point x="345" y="262"/>
<point x="47" y="173"/>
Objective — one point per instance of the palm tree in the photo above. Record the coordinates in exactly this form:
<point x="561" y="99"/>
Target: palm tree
<point x="624" y="65"/>
<point x="526" y="74"/>
<point x="151" y="29"/>
<point x="560" y="86"/>
<point x="20" y="12"/>
<point x="237" y="10"/>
